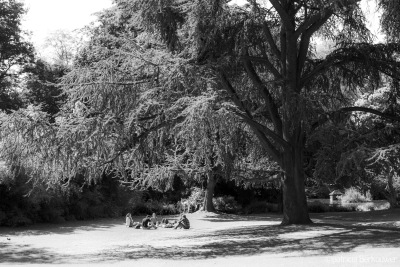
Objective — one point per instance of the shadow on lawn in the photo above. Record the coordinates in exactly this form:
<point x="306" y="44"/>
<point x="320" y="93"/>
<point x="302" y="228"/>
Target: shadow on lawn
<point x="62" y="228"/>
<point x="224" y="217"/>
<point x="317" y="239"/>
<point x="359" y="217"/>
<point x="26" y="254"/>
<point x="303" y="240"/>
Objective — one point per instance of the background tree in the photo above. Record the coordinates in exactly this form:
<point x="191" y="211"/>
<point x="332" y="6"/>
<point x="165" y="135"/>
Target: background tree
<point x="62" y="47"/>
<point x="374" y="144"/>
<point x="14" y="52"/>
<point x="40" y="86"/>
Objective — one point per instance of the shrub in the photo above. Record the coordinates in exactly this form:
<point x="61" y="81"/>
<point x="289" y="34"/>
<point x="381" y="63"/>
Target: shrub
<point x="353" y="195"/>
<point x="97" y="211"/>
<point x="154" y="206"/>
<point x="256" y="207"/>
<point x="274" y="207"/>
<point x="365" y="207"/>
<point x="19" y="220"/>
<point x="340" y="208"/>
<point x="226" y="204"/>
<point x="317" y="207"/>
<point x="140" y="208"/>
<point x="169" y="209"/>
<point x="3" y="217"/>
<point x="113" y="211"/>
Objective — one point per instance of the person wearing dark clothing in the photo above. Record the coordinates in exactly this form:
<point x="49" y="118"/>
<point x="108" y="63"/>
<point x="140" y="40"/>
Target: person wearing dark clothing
<point x="183" y="223"/>
<point x="146" y="223"/>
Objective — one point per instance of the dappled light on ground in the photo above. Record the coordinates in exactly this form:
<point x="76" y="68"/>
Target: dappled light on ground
<point x="212" y="237"/>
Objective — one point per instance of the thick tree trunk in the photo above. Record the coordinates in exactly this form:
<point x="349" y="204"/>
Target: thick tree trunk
<point x="295" y="209"/>
<point x="208" y="198"/>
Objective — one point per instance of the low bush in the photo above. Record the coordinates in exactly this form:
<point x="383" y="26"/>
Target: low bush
<point x="353" y="195"/>
<point x="365" y="207"/>
<point x="256" y="207"/>
<point x="19" y="220"/>
<point x="139" y="208"/>
<point x="317" y="207"/>
<point x="226" y="204"/>
<point x="274" y="207"/>
<point x="340" y="208"/>
<point x="169" y="209"/>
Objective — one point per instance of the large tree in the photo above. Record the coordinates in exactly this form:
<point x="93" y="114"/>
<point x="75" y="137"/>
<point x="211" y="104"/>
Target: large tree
<point x="261" y="56"/>
<point x="149" y="62"/>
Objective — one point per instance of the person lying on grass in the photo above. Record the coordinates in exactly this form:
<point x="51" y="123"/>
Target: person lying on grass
<point x="165" y="223"/>
<point x="183" y="223"/>
<point x="147" y="224"/>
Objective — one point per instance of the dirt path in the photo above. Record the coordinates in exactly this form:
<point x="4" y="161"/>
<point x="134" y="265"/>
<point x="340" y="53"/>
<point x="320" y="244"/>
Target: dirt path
<point x="336" y="239"/>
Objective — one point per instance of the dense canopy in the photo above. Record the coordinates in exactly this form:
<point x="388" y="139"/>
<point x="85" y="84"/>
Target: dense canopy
<point x="207" y="89"/>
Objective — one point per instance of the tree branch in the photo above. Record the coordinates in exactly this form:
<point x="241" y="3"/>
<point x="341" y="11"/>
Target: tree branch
<point x="318" y="21"/>
<point x="99" y="83"/>
<point x="327" y="117"/>
<point x="253" y="180"/>
<point x="372" y="111"/>
<point x="271" y="40"/>
<point x="275" y="154"/>
<point x="234" y="96"/>
<point x="283" y="14"/>
<point x="263" y="128"/>
<point x="267" y="63"/>
<point x="136" y="138"/>
<point x="306" y="24"/>
<point x="271" y="106"/>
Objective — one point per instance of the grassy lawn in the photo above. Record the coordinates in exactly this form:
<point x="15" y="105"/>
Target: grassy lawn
<point x="335" y="239"/>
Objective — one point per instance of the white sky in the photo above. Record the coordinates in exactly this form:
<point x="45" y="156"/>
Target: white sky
<point x="370" y="9"/>
<point x="47" y="16"/>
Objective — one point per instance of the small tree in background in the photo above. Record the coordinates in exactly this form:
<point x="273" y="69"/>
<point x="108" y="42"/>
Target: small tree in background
<point x="40" y="86"/>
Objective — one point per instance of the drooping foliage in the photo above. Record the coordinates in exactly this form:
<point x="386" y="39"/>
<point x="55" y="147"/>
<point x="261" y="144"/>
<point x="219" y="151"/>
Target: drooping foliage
<point x="164" y="84"/>
<point x="360" y="150"/>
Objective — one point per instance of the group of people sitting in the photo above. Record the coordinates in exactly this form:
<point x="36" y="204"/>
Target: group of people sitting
<point x="151" y="222"/>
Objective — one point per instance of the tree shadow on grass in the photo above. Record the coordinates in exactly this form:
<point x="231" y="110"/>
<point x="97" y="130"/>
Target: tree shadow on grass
<point x="224" y="217"/>
<point x="360" y="217"/>
<point x="62" y="228"/>
<point x="297" y="240"/>
<point x="311" y="240"/>
<point x="25" y="254"/>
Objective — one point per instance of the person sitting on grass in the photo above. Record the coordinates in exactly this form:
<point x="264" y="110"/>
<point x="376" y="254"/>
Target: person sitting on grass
<point x="147" y="224"/>
<point x="129" y="221"/>
<point x="165" y="223"/>
<point x="154" y="219"/>
<point x="183" y="223"/>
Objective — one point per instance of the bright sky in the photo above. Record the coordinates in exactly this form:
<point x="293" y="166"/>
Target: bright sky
<point x="47" y="16"/>
<point x="370" y="9"/>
